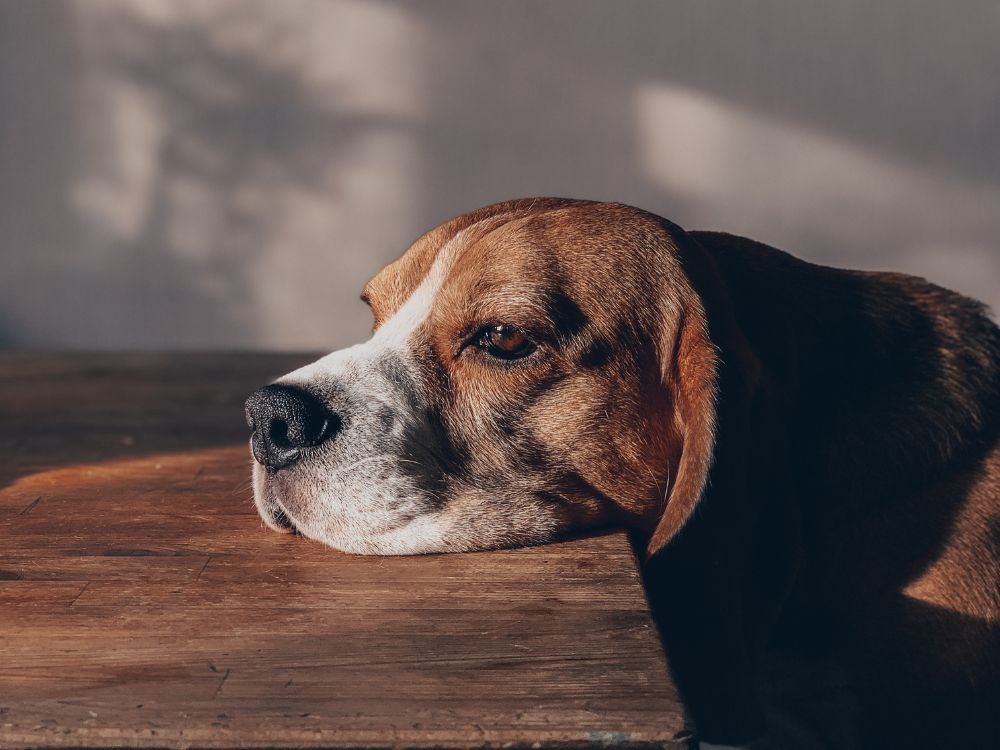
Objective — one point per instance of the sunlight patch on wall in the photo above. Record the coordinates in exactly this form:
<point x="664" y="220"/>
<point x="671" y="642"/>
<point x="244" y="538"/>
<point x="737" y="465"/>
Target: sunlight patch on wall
<point x="814" y="194"/>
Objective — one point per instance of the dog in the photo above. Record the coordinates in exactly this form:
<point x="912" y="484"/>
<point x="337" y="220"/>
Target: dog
<point x="811" y="456"/>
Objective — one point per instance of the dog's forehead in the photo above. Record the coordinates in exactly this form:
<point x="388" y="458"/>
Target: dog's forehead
<point x="531" y="242"/>
<point x="395" y="283"/>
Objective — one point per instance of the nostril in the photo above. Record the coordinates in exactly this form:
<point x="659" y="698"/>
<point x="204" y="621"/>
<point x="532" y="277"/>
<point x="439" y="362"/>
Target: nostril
<point x="278" y="434"/>
<point x="326" y="429"/>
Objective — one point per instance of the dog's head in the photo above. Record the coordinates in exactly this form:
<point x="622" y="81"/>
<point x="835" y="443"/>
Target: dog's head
<point x="536" y="367"/>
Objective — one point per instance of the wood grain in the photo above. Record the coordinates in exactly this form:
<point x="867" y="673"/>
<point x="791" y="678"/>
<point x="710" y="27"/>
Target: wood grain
<point x="143" y="604"/>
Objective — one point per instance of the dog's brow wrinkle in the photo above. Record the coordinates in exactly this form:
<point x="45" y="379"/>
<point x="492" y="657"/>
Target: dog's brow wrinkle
<point x="569" y="318"/>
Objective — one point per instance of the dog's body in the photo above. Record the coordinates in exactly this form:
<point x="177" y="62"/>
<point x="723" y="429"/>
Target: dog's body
<point x="871" y="484"/>
<point x="812" y="454"/>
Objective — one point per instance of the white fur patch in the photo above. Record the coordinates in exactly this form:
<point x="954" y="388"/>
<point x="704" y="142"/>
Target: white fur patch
<point x="351" y="505"/>
<point x="395" y="333"/>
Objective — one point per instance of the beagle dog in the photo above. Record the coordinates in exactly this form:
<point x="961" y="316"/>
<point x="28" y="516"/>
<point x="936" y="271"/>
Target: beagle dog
<point x="810" y="456"/>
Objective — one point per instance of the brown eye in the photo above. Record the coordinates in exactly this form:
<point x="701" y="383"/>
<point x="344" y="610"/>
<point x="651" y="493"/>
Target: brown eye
<point x="505" y="342"/>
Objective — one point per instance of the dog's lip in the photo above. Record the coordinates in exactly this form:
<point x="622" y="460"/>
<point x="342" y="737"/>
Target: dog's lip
<point x="281" y="519"/>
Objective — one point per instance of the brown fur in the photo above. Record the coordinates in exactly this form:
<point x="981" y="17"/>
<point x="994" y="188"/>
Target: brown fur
<point x="812" y="454"/>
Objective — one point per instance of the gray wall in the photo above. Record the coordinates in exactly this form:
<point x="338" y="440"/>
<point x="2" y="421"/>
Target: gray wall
<point x="228" y="174"/>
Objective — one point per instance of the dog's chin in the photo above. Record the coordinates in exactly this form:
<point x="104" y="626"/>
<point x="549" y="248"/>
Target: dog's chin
<point x="345" y="527"/>
<point x="417" y="536"/>
<point x="371" y="517"/>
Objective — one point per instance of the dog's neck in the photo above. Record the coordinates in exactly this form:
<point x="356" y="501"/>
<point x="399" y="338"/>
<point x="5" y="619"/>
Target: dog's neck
<point x="859" y="355"/>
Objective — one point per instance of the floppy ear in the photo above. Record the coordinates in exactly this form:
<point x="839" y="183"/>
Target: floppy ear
<point x="708" y="535"/>
<point x="690" y="370"/>
<point x="712" y="375"/>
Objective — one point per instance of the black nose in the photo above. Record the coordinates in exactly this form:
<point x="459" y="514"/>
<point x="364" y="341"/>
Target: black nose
<point x="285" y="420"/>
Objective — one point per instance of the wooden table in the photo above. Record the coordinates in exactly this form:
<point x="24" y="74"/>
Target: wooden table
<point x="142" y="602"/>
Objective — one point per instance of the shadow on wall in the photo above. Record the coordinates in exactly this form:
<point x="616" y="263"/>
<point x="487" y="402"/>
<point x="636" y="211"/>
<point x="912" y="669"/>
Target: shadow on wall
<point x="229" y="174"/>
<point x="176" y="156"/>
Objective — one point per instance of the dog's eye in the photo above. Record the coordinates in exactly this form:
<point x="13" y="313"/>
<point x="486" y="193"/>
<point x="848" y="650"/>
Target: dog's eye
<point x="505" y="342"/>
